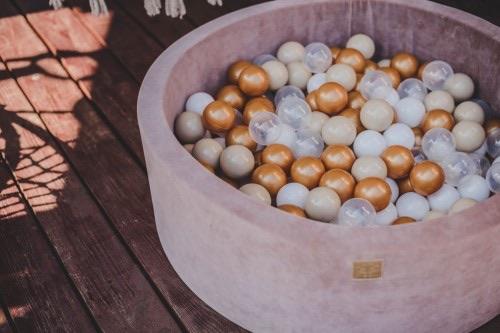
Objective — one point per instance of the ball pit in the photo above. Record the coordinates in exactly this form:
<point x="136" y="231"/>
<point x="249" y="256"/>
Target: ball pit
<point x="270" y="271"/>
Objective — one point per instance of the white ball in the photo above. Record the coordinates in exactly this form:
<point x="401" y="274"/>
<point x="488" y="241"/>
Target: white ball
<point x="377" y="115"/>
<point x="399" y="134"/>
<point x="387" y="215"/>
<point x="469" y="111"/>
<point x="444" y="198"/>
<point x="369" y="143"/>
<point x="316" y="81"/>
<point x="410" y="111"/>
<point x="315" y="121"/>
<point x="287" y="91"/>
<point x="384" y="63"/>
<point x="189" y="127"/>
<point x="342" y="74"/>
<point x="469" y="135"/>
<point x="237" y="161"/>
<point x="439" y="99"/>
<point x="322" y="204"/>
<point x="461" y="205"/>
<point x="290" y="52"/>
<point x="431" y="215"/>
<point x="292" y="194"/>
<point x="363" y="44"/>
<point x="474" y="187"/>
<point x="287" y="136"/>
<point x="298" y="74"/>
<point x="394" y="189"/>
<point x="277" y="73"/>
<point x="257" y="192"/>
<point x="369" y="166"/>
<point x="263" y="58"/>
<point x="339" y="130"/>
<point x="412" y="205"/>
<point x="388" y="94"/>
<point x="197" y="102"/>
<point x="318" y="57"/>
<point x="460" y="86"/>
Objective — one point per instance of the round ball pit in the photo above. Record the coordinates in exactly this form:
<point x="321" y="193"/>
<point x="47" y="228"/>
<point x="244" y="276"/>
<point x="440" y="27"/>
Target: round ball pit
<point x="272" y="272"/>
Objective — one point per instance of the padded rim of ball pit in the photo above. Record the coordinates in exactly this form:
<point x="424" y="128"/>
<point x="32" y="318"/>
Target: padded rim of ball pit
<point x="271" y="271"/>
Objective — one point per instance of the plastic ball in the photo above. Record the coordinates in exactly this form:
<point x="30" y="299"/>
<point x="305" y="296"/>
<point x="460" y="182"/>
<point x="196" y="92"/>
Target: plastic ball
<point x="493" y="177"/>
<point x="316" y="81"/>
<point x="253" y="81"/>
<point x="439" y="99"/>
<point x="315" y="121"/>
<point x="435" y="74"/>
<point x="393" y="75"/>
<point x="456" y="167"/>
<point x="357" y="212"/>
<point x="394" y="189"/>
<point x="278" y="154"/>
<point x="405" y="63"/>
<point x="373" y="80"/>
<point x="338" y="157"/>
<point x="277" y="73"/>
<point x="399" y="161"/>
<point x="432" y="215"/>
<point x="387" y="215"/>
<point x="307" y="171"/>
<point x="292" y="194"/>
<point x="377" y="115"/>
<point x="470" y="135"/>
<point x="413" y="88"/>
<point x="493" y="143"/>
<point x="410" y="111"/>
<point x="257" y="192"/>
<point x="293" y="111"/>
<point x="369" y="143"/>
<point x="331" y="98"/>
<point x="271" y="176"/>
<point x="418" y="155"/>
<point x="338" y="130"/>
<point x="207" y="152"/>
<point x="437" y="119"/>
<point x="263" y="58"/>
<point x="240" y="135"/>
<point x="237" y="161"/>
<point x="384" y="63"/>
<point x="318" y="57"/>
<point x="340" y="181"/>
<point x="460" y="86"/>
<point x="308" y="143"/>
<point x="438" y="143"/>
<point x="298" y="74"/>
<point x="353" y="58"/>
<point x="412" y="205"/>
<point x="189" y="127"/>
<point x="363" y="44"/>
<point x="469" y="111"/>
<point x="290" y="52"/>
<point x="256" y="105"/>
<point x="388" y="94"/>
<point x="369" y="166"/>
<point x="461" y="205"/>
<point x="287" y="91"/>
<point x="322" y="204"/>
<point x="294" y="210"/>
<point x="482" y="163"/>
<point x="474" y="187"/>
<point x="265" y="128"/>
<point x="401" y="135"/>
<point x="287" y="136"/>
<point x="342" y="74"/>
<point x="197" y="102"/>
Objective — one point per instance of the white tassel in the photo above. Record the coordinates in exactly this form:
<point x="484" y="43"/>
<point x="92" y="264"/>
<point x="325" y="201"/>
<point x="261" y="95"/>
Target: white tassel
<point x="175" y="8"/>
<point x="56" y="4"/>
<point x="153" y="7"/>
<point x="215" y="2"/>
<point x="98" y="7"/>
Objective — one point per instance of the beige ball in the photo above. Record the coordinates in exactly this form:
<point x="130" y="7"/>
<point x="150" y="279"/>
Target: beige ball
<point x="277" y="73"/>
<point x="469" y="111"/>
<point x="237" y="161"/>
<point x="189" y="127"/>
<point x="439" y="99"/>
<point x="369" y="166"/>
<point x="189" y="147"/>
<point x="339" y="130"/>
<point x="461" y="204"/>
<point x="363" y="44"/>
<point x="315" y="121"/>
<point x="298" y="74"/>
<point x="433" y="214"/>
<point x="384" y="63"/>
<point x="207" y="151"/>
<point x="290" y="52"/>
<point x="257" y="191"/>
<point x="469" y="135"/>
<point x="377" y="115"/>
<point x="322" y="204"/>
<point x="460" y="86"/>
<point x="342" y="74"/>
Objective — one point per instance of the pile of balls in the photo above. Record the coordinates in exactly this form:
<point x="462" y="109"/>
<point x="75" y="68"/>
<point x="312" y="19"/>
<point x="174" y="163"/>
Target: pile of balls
<point x="329" y="134"/>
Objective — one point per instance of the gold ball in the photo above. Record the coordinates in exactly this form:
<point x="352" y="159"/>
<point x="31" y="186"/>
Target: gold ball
<point x="294" y="210"/>
<point x="399" y="161"/>
<point x="375" y="190"/>
<point x="355" y="100"/>
<point x="353" y="58"/>
<point x="340" y="181"/>
<point x="311" y="100"/>
<point x="335" y="52"/>
<point x="419" y="134"/>
<point x="393" y="75"/>
<point x="278" y="154"/>
<point x="307" y="171"/>
<point x="406" y="64"/>
<point x="404" y="185"/>
<point x="240" y="135"/>
<point x="253" y="81"/>
<point x="271" y="176"/>
<point x="437" y="118"/>
<point x="403" y="220"/>
<point x="258" y="158"/>
<point x="232" y="95"/>
<point x="219" y="117"/>
<point x="421" y="70"/>
<point x="331" y="98"/>
<point x="338" y="157"/>
<point x="355" y="116"/>
<point x="234" y="71"/>
<point x="491" y="126"/>
<point x="370" y="66"/>
<point x="254" y="105"/>
<point x="426" y="177"/>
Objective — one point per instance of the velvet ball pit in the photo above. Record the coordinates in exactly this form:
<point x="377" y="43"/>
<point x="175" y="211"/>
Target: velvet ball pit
<point x="269" y="271"/>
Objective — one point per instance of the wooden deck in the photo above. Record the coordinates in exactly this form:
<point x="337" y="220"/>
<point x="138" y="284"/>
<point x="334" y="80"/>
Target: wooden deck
<point x="78" y="246"/>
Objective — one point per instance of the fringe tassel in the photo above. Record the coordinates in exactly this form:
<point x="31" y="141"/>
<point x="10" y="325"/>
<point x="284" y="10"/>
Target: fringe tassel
<point x="56" y="4"/>
<point x="153" y="7"/>
<point x="98" y="7"/>
<point x="175" y="8"/>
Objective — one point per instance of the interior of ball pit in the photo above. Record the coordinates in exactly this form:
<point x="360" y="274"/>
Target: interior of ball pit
<point x="271" y="271"/>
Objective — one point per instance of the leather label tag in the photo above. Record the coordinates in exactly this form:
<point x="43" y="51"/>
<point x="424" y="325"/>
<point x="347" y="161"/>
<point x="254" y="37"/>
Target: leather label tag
<point x="367" y="269"/>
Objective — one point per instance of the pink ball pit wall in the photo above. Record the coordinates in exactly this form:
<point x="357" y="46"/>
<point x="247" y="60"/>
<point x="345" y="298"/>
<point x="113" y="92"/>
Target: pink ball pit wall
<point x="272" y="272"/>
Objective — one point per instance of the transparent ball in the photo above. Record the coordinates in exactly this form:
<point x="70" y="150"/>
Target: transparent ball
<point x="488" y="110"/>
<point x="456" y="167"/>
<point x="287" y="136"/>
<point x="493" y="143"/>
<point x="413" y="88"/>
<point x="287" y="91"/>
<point x="373" y="80"/>
<point x="438" y="143"/>
<point x="265" y="128"/>
<point x="388" y="94"/>
<point x="435" y="74"/>
<point x="357" y="212"/>
<point x="263" y="58"/>
<point x="316" y="81"/>
<point x="493" y="178"/>
<point x="318" y="57"/>
<point x="418" y="155"/>
<point x="294" y="111"/>
<point x="308" y="143"/>
<point x="482" y="163"/>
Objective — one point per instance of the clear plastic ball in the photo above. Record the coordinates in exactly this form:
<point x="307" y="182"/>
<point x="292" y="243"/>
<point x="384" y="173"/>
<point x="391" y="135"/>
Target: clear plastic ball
<point x="316" y="81"/>
<point x="418" y="155"/>
<point x="387" y="215"/>
<point x="488" y="110"/>
<point x="308" y="143"/>
<point x="493" y="143"/>
<point x="287" y="136"/>
<point x="413" y="88"/>
<point x="388" y="94"/>
<point x="263" y="58"/>
<point x="357" y="212"/>
<point x="438" y="143"/>
<point x="410" y="111"/>
<point x="318" y="57"/>
<point x="436" y="73"/>
<point x="293" y="111"/>
<point x="265" y="128"/>
<point x="373" y="80"/>
<point x="482" y="163"/>
<point x="292" y="194"/>
<point x="456" y="167"/>
<point x="287" y="91"/>
<point x="493" y="178"/>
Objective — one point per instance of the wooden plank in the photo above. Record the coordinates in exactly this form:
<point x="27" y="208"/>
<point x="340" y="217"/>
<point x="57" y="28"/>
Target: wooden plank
<point x="33" y="283"/>
<point x="109" y="280"/>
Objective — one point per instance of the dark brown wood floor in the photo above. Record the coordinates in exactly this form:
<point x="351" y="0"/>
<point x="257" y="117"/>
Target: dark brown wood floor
<point x="78" y="245"/>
